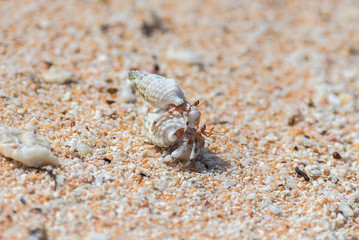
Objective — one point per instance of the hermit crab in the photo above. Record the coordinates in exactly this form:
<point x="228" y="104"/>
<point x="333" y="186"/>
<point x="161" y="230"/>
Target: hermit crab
<point x="164" y="93"/>
<point x="176" y="125"/>
<point x="186" y="143"/>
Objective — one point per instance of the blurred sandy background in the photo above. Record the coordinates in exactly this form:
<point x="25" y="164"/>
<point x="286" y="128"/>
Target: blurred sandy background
<point x="279" y="81"/>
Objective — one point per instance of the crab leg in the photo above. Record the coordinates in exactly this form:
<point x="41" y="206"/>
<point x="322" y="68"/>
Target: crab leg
<point x="171" y="111"/>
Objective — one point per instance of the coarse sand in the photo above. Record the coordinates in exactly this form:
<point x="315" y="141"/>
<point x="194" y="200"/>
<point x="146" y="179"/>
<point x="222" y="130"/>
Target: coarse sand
<point x="279" y="81"/>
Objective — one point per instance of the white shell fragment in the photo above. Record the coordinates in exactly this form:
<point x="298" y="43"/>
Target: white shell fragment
<point x="126" y="94"/>
<point x="11" y="135"/>
<point x="26" y="147"/>
<point x="57" y="75"/>
<point x="346" y="210"/>
<point x="31" y="156"/>
<point x="159" y="91"/>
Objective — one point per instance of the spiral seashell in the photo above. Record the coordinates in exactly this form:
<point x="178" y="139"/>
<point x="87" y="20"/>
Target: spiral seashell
<point x="159" y="91"/>
<point x="164" y="134"/>
<point x="172" y="132"/>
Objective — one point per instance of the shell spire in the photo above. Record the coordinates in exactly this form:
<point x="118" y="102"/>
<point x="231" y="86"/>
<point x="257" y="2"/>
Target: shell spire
<point x="159" y="91"/>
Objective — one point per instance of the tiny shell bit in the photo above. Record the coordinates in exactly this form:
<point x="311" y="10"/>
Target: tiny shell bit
<point x="159" y="91"/>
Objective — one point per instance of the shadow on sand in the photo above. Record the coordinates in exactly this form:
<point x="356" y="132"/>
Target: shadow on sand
<point x="206" y="162"/>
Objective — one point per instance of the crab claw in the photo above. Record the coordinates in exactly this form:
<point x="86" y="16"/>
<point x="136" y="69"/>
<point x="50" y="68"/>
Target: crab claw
<point x="195" y="150"/>
<point x="180" y="151"/>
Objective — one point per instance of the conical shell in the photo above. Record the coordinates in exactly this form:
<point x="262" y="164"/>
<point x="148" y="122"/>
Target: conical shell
<point x="164" y="133"/>
<point x="159" y="91"/>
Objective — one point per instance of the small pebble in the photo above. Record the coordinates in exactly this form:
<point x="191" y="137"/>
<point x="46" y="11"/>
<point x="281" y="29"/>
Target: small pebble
<point x="112" y="90"/>
<point x="326" y="172"/>
<point x="313" y="171"/>
<point x="305" y="141"/>
<point x="84" y="149"/>
<point x="346" y="210"/>
<point x="275" y="209"/>
<point x="57" y="75"/>
<point x="336" y="155"/>
<point x="127" y="94"/>
<point x="37" y="234"/>
<point x="183" y="55"/>
<point x="26" y="147"/>
<point x="155" y="23"/>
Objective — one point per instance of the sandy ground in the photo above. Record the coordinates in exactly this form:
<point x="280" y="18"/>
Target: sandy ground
<point x="279" y="81"/>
